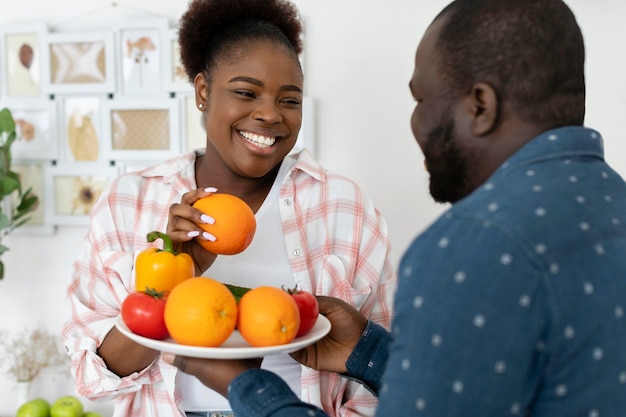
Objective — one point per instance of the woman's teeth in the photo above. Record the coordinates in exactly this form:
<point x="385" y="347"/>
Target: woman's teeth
<point x="260" y="141"/>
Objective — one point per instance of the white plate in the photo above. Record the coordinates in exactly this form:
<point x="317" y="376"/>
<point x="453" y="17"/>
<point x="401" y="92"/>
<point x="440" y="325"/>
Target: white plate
<point x="235" y="347"/>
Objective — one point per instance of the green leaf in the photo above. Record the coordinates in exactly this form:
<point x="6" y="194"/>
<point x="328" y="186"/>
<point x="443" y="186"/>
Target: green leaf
<point x="4" y="222"/>
<point x="7" y="124"/>
<point x="8" y="184"/>
<point x="1" y="270"/>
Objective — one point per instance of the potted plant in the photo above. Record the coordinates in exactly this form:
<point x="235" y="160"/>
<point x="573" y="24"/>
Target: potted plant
<point x="15" y="204"/>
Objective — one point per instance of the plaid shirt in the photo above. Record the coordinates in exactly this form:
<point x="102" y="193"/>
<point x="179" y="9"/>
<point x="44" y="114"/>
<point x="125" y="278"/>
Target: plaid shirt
<point x="337" y="245"/>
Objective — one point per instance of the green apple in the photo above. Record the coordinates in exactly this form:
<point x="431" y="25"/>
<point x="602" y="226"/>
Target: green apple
<point x="67" y="406"/>
<point x="35" y="408"/>
<point x="92" y="414"/>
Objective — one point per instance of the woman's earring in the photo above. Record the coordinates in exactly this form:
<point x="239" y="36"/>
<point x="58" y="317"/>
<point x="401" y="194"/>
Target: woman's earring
<point x="200" y="106"/>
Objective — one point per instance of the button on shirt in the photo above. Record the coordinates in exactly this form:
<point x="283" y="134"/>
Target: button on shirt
<point x="512" y="303"/>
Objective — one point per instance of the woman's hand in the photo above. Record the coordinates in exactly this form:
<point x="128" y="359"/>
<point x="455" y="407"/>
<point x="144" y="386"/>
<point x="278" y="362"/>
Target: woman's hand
<point x="332" y="351"/>
<point x="216" y="374"/>
<point x="182" y="228"/>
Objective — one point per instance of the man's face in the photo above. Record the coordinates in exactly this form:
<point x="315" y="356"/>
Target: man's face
<point x="434" y="126"/>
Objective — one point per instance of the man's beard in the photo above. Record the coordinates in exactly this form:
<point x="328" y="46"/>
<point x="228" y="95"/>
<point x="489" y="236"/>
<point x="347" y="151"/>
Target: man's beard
<point x="446" y="165"/>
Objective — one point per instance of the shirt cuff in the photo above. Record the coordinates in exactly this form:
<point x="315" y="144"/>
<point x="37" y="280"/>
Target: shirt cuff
<point x="261" y="393"/>
<point x="369" y="358"/>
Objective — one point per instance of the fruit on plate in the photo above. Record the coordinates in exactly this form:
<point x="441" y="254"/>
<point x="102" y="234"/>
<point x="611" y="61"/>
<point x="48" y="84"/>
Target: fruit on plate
<point x="143" y="313"/>
<point x="308" y="307"/>
<point x="161" y="269"/>
<point x="268" y="316"/>
<point x="34" y="408"/>
<point x="92" y="414"/>
<point x="200" y="311"/>
<point x="66" y="406"/>
<point x="234" y="225"/>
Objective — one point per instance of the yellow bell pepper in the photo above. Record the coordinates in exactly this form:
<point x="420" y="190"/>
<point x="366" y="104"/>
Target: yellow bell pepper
<point x="161" y="269"/>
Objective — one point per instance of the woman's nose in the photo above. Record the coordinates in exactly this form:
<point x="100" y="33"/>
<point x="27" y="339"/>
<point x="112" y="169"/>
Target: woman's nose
<point x="267" y="111"/>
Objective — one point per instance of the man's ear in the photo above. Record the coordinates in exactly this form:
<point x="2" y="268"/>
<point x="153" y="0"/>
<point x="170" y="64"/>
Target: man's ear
<point x="484" y="106"/>
<point x="201" y="89"/>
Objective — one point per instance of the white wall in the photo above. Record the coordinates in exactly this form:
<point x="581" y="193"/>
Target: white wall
<point x="359" y="57"/>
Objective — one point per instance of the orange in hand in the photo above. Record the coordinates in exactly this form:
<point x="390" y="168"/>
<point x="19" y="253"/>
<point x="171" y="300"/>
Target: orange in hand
<point x="268" y="316"/>
<point x="234" y="225"/>
<point x="200" y="311"/>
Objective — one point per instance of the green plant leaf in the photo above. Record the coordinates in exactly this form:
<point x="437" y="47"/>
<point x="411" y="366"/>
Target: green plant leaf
<point x="4" y="222"/>
<point x="7" y="124"/>
<point x="8" y="184"/>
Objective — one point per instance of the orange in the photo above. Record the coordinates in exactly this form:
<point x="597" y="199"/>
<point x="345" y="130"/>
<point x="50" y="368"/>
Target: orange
<point x="234" y="225"/>
<point x="200" y="311"/>
<point x="268" y="316"/>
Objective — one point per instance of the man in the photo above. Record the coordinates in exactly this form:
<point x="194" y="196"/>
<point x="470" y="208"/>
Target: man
<point x="512" y="302"/>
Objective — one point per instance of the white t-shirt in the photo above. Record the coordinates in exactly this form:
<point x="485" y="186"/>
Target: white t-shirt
<point x="264" y="262"/>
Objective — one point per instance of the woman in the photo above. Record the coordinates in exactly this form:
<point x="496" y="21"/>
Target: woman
<point x="315" y="229"/>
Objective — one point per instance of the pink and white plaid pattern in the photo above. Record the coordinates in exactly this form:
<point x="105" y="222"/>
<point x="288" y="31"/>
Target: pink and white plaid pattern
<point x="337" y="245"/>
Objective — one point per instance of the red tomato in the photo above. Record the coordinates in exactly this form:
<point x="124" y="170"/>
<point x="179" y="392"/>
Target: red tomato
<point x="309" y="309"/>
<point x="143" y="313"/>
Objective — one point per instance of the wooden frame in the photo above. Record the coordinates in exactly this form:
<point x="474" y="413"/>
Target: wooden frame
<point x="79" y="63"/>
<point x="37" y="137"/>
<point x="80" y="130"/>
<point x="75" y="188"/>
<point x="23" y="63"/>
<point x="140" y="44"/>
<point x="140" y="129"/>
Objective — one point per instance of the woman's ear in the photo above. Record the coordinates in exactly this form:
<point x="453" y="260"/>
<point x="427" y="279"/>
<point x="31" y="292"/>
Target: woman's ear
<point x="485" y="108"/>
<point x="201" y="88"/>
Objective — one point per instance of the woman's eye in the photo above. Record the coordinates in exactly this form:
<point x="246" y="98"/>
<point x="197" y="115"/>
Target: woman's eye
<point x="291" y="101"/>
<point x="247" y="94"/>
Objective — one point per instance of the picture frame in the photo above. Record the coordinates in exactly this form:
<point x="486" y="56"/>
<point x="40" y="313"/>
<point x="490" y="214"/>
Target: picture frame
<point x="140" y="129"/>
<point x="36" y="127"/>
<point x="80" y="127"/>
<point x="140" y="45"/>
<point x="79" y="63"/>
<point x="32" y="175"/>
<point x="74" y="189"/>
<point x="175" y="77"/>
<point x="193" y="133"/>
<point x="22" y="60"/>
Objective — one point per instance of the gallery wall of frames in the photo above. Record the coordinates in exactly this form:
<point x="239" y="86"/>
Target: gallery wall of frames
<point x="90" y="106"/>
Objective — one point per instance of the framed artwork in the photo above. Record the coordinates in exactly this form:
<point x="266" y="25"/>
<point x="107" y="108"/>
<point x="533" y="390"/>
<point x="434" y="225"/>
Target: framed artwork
<point x="193" y="132"/>
<point x="35" y="121"/>
<point x="80" y="128"/>
<point x="140" y="46"/>
<point x="32" y="176"/>
<point x="22" y="60"/>
<point x="306" y="136"/>
<point x="75" y="188"/>
<point x="79" y="62"/>
<point x="175" y="76"/>
<point x="140" y="129"/>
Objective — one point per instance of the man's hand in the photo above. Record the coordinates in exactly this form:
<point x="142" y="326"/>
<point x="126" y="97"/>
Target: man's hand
<point x="216" y="374"/>
<point x="331" y="352"/>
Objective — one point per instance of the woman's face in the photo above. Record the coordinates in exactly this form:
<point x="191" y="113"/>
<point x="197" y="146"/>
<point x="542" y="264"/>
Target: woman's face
<point x="253" y="108"/>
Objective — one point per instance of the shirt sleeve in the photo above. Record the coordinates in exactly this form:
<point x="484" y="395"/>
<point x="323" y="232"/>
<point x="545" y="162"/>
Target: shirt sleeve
<point x="261" y="393"/>
<point x="368" y="360"/>
<point x="101" y="278"/>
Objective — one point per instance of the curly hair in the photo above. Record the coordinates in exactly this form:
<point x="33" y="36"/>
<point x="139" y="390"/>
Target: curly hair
<point x="211" y="30"/>
<point x="531" y="51"/>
